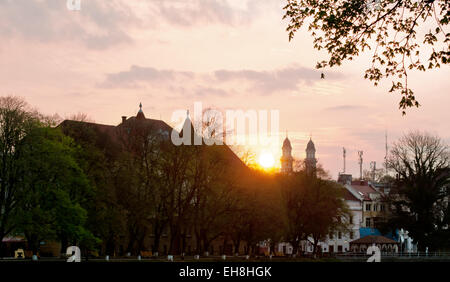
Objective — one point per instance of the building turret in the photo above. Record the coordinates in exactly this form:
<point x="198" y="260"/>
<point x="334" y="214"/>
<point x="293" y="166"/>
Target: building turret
<point x="310" y="161"/>
<point x="286" y="158"/>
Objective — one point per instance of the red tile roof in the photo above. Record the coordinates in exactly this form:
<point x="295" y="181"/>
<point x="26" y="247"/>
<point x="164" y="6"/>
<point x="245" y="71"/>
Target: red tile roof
<point x="13" y="239"/>
<point x="364" y="191"/>
<point x="373" y="239"/>
<point x="348" y="196"/>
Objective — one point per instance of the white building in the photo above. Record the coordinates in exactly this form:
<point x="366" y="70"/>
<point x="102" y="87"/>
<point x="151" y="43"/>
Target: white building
<point x="337" y="242"/>
<point x="340" y="241"/>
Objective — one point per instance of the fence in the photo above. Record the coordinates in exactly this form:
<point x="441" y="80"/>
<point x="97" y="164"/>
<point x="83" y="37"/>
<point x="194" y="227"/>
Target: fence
<point x="416" y="256"/>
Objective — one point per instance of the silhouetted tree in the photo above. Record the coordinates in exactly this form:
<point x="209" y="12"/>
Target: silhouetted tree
<point x="420" y="200"/>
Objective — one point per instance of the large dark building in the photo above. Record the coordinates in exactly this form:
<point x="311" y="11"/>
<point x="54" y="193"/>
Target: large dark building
<point x="115" y="139"/>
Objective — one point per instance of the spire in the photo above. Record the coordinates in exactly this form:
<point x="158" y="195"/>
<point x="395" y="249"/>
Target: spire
<point x="188" y="133"/>
<point x="310" y="160"/>
<point x="140" y="114"/>
<point x="310" y="146"/>
<point x="286" y="158"/>
<point x="287" y="143"/>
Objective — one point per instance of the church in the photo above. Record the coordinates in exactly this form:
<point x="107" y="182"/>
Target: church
<point x="287" y="161"/>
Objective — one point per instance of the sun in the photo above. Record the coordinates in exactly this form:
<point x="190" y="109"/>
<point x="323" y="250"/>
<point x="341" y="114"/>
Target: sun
<point x="266" y="160"/>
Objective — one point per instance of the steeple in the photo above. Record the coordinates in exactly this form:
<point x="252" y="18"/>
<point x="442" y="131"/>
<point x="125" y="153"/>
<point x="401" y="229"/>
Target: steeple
<point x="286" y="158"/>
<point x="140" y="114"/>
<point x="188" y="132"/>
<point x="310" y="161"/>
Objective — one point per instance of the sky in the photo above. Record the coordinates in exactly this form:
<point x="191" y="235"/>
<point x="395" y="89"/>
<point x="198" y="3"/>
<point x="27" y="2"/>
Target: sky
<point x="168" y="54"/>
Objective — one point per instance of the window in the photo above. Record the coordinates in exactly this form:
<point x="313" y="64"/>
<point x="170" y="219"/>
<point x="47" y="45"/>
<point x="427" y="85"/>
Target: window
<point x="339" y="235"/>
<point x="368" y="207"/>
<point x="367" y="221"/>
<point x="375" y="207"/>
<point x="351" y="219"/>
<point x="382" y="207"/>
<point x="351" y="235"/>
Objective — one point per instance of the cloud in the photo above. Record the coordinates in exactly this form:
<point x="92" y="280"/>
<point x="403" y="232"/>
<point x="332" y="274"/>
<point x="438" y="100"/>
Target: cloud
<point x="99" y="24"/>
<point x="218" y="83"/>
<point x="268" y="82"/>
<point x="208" y="91"/>
<point x="197" y="12"/>
<point x="346" y="108"/>
<point x="136" y="76"/>
<point x="102" y="24"/>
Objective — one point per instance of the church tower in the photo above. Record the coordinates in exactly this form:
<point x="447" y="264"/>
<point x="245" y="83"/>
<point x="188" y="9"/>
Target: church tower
<point x="310" y="161"/>
<point x="286" y="158"/>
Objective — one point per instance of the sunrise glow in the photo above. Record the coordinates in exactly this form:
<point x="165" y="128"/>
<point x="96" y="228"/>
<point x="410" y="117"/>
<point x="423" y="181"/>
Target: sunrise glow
<point x="266" y="160"/>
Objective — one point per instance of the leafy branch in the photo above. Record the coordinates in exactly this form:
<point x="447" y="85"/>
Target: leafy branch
<point x="345" y="28"/>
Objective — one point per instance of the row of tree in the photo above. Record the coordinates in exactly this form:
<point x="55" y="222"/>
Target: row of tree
<point x="128" y="192"/>
<point x="43" y="188"/>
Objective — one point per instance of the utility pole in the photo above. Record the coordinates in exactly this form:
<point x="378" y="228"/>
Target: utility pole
<point x="373" y="166"/>
<point x="386" y="154"/>
<point x="360" y="154"/>
<point x="343" y="154"/>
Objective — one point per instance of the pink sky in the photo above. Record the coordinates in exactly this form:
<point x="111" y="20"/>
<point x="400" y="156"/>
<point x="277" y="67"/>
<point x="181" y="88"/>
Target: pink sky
<point x="111" y="55"/>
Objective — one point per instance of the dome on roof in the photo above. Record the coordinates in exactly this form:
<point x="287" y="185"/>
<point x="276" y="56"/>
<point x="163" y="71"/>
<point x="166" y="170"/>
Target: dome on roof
<point x="287" y="143"/>
<point x="310" y="145"/>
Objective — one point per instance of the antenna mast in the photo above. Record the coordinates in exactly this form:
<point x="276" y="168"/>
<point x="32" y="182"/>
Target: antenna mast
<point x="386" y="155"/>
<point x="360" y="154"/>
<point x="373" y="166"/>
<point x="343" y="154"/>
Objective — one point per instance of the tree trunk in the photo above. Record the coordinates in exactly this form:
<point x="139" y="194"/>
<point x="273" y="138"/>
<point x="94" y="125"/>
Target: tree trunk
<point x="33" y="243"/>
<point x="272" y="247"/>
<point x="64" y="244"/>
<point x="315" y="242"/>
<point x="156" y="243"/>
<point x="131" y="242"/>
<point x="174" y="240"/>
<point x="294" y="247"/>
<point x="2" y="245"/>
<point x="110" y="246"/>
<point x="198" y="243"/>
<point x="237" y="244"/>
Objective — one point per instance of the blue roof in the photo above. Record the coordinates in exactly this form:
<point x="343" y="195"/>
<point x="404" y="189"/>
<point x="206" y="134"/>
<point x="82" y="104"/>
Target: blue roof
<point x="365" y="231"/>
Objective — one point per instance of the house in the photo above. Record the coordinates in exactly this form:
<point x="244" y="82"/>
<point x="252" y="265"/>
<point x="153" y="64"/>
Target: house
<point x="386" y="245"/>
<point x="373" y="202"/>
<point x="340" y="241"/>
